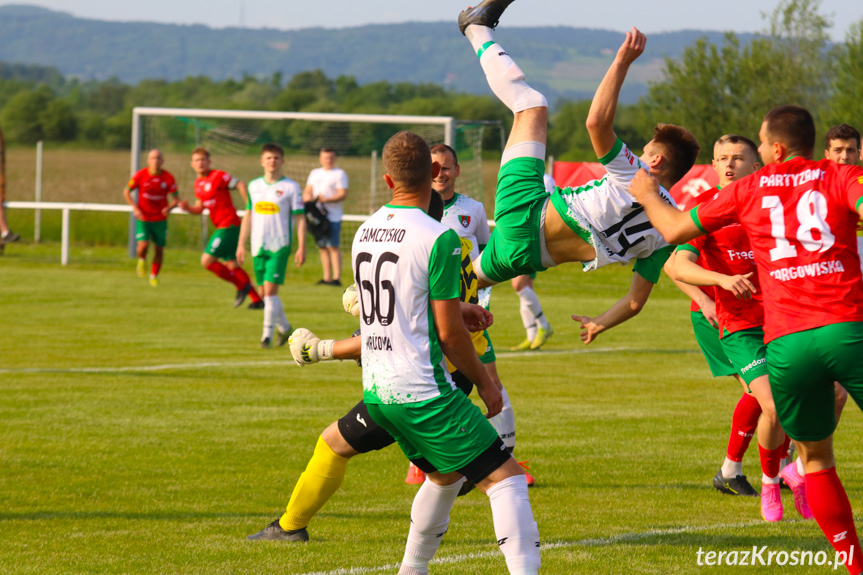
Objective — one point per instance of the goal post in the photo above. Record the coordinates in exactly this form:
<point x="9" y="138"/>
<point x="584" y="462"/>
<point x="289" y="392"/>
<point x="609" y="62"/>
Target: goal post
<point x="235" y="137"/>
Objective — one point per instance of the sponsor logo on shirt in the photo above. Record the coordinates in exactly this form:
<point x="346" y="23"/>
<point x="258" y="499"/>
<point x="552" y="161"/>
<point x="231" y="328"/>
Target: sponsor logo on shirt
<point x="809" y="270"/>
<point x="732" y="255"/>
<point x="266" y="208"/>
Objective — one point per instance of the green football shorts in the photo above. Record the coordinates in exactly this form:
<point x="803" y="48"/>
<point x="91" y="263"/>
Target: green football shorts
<point x="448" y="431"/>
<point x="803" y="367"/>
<point x="707" y="337"/>
<point x="155" y="231"/>
<point x="271" y="266"/>
<point x="223" y="243"/>
<point x="514" y="246"/>
<point x="747" y="352"/>
<point x="488" y="356"/>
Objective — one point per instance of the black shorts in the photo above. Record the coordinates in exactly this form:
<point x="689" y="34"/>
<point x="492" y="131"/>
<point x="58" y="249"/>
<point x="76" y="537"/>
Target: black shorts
<point x="361" y="432"/>
<point x="478" y="469"/>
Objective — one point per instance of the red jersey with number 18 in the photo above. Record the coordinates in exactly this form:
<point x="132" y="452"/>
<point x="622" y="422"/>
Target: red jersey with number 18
<point x="214" y="191"/>
<point x="801" y="217"/>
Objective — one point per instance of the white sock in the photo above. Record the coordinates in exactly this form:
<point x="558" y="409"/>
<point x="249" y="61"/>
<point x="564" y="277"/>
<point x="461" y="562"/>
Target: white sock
<point x="769" y="480"/>
<point x="429" y="521"/>
<point x="528" y="298"/>
<point x="478" y="35"/>
<point x="279" y="317"/>
<point x="516" y="531"/>
<point x="731" y="469"/>
<point x="506" y="80"/>
<point x="800" y="468"/>
<point x="269" y="306"/>
<point x="504" y="422"/>
<point x="528" y="320"/>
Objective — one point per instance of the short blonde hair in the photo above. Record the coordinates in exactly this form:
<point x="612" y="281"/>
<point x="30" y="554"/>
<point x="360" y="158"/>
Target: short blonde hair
<point x="201" y="151"/>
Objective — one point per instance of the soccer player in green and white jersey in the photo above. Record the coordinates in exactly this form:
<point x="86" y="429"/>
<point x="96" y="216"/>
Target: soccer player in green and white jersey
<point x="275" y="204"/>
<point x="406" y="267"/>
<point x="595" y="224"/>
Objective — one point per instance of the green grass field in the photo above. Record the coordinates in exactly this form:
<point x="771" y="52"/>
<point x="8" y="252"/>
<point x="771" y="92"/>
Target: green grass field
<point x="144" y="431"/>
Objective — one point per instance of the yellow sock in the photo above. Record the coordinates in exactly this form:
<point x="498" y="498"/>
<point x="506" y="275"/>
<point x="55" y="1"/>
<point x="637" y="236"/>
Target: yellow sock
<point x="323" y="477"/>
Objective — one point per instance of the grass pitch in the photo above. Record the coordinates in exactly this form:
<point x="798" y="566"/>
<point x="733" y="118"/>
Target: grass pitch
<point x="144" y="431"/>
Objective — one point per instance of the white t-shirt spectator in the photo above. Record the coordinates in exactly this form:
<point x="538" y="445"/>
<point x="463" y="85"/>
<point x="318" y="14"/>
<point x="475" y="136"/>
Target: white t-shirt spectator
<point x="324" y="185"/>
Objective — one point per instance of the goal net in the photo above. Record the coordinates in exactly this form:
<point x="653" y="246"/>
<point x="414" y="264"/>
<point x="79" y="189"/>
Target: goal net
<point x="234" y="139"/>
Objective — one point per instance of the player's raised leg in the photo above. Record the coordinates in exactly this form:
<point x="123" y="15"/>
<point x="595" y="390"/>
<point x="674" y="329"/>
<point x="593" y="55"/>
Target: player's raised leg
<point x="507" y="81"/>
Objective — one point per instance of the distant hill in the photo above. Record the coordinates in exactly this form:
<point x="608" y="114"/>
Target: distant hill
<point x="564" y="62"/>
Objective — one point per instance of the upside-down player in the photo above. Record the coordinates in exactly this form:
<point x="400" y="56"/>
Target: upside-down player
<point x="595" y="224"/>
<point x="213" y="191"/>
<point x="800" y="216"/>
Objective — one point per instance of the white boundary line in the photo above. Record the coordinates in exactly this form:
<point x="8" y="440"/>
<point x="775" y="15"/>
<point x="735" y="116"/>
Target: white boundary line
<point x="590" y="542"/>
<point x="289" y="362"/>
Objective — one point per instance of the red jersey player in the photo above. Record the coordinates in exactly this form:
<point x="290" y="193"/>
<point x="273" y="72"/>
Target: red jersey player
<point x="155" y="186"/>
<point x="213" y="191"/>
<point x="734" y="157"/>
<point x="724" y="259"/>
<point x="800" y="216"/>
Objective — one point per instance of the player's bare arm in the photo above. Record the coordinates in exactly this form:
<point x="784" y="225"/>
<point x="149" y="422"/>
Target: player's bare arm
<point x="456" y="344"/>
<point x="339" y="196"/>
<point x="701" y="299"/>
<point x="308" y="194"/>
<point x="245" y="230"/>
<point x="244" y="191"/>
<point x="127" y="194"/>
<point x="300" y="225"/>
<point x="600" y="118"/>
<point x="687" y="270"/>
<point x="196" y="208"/>
<point x="675" y="226"/>
<point x="625" y="308"/>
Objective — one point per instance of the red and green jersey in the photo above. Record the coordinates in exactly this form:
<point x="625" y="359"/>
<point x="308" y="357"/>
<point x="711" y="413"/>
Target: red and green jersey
<point x="709" y="290"/>
<point x="800" y="217"/>
<point x="214" y="191"/>
<point x="727" y="251"/>
<point x="153" y="192"/>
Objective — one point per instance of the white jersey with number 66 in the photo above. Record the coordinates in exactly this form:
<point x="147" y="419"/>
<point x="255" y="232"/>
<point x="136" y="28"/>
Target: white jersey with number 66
<point x="401" y="260"/>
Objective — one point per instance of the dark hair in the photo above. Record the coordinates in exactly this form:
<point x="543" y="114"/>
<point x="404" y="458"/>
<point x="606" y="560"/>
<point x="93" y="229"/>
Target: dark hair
<point x="735" y="139"/>
<point x="328" y="150"/>
<point x="678" y="146"/>
<point x="792" y="126"/>
<point x="273" y="149"/>
<point x="842" y="132"/>
<point x="201" y="151"/>
<point x="407" y="159"/>
<point x="436" y="206"/>
<point x="443" y="149"/>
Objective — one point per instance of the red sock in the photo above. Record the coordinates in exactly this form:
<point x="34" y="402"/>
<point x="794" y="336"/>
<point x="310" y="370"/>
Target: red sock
<point x="242" y="276"/>
<point x="154" y="269"/>
<point x="771" y="459"/>
<point x="785" y="445"/>
<point x="743" y="424"/>
<point x="223" y="272"/>
<point x="831" y="509"/>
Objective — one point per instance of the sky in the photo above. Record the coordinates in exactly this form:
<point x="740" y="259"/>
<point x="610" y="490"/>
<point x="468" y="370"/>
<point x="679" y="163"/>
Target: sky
<point x="661" y="16"/>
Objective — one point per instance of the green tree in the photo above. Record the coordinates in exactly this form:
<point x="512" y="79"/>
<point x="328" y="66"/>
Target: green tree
<point x="21" y="116"/>
<point x="846" y="105"/>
